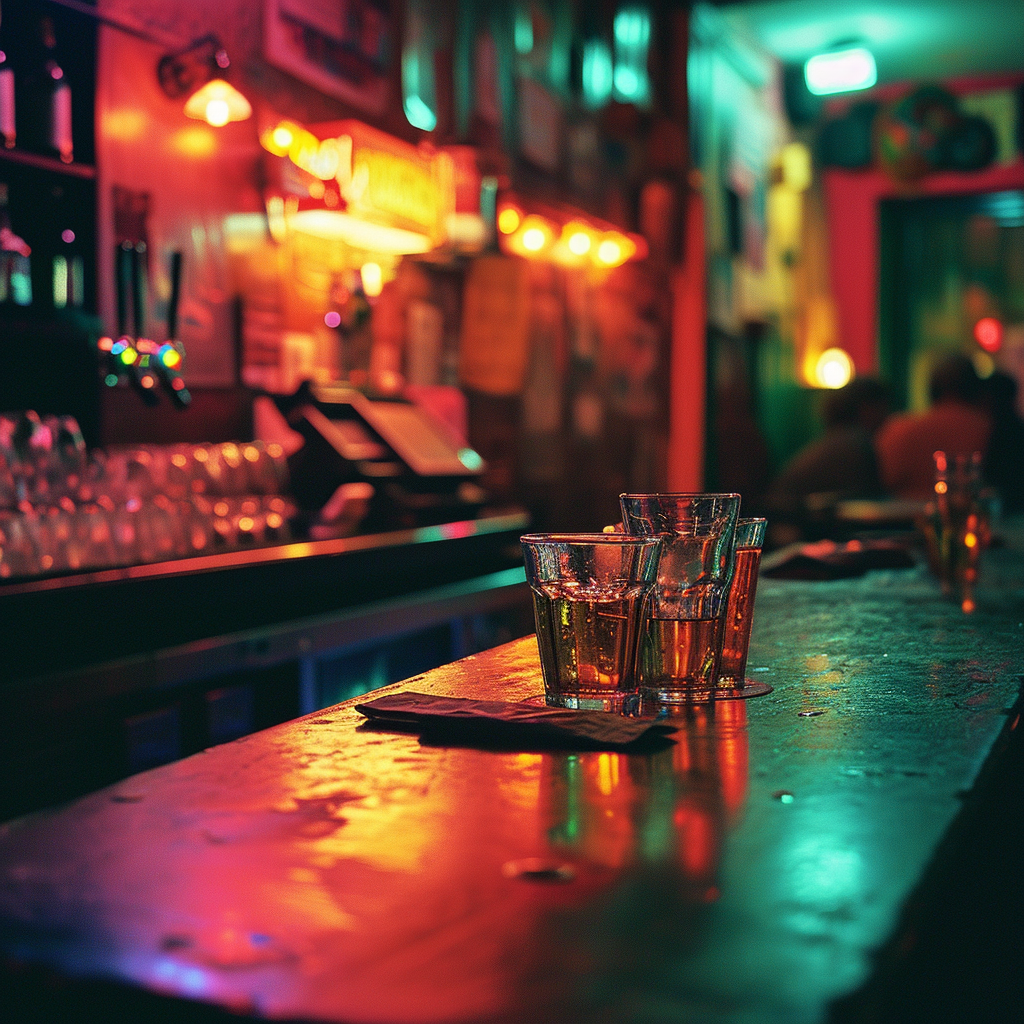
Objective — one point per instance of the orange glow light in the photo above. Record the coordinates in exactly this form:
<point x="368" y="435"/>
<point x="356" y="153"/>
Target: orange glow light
<point x="217" y="103"/>
<point x="509" y="219"/>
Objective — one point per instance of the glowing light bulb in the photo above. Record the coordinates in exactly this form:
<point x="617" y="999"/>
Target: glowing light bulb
<point x="372" y="278"/>
<point x="508" y="220"/>
<point x="533" y="239"/>
<point x="579" y="243"/>
<point x="217" y="113"/>
<point x="834" y="369"/>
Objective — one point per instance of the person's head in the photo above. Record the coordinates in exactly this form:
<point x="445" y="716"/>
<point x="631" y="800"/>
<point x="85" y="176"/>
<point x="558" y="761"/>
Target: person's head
<point x="864" y="402"/>
<point x="954" y="379"/>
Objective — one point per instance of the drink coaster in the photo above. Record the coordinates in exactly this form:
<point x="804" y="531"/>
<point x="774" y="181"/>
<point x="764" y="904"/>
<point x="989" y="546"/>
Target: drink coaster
<point x="750" y="688"/>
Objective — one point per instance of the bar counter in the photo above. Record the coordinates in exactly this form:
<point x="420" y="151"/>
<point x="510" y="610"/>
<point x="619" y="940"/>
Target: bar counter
<point x="91" y="659"/>
<point x="756" y="869"/>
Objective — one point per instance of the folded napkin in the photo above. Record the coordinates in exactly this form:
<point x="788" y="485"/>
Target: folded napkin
<point x="458" y="721"/>
<point x="828" y="560"/>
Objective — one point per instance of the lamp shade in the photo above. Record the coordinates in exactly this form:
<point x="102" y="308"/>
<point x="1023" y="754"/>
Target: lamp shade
<point x="217" y="103"/>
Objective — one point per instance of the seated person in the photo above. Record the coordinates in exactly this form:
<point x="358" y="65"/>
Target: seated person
<point x="955" y="423"/>
<point x="841" y="463"/>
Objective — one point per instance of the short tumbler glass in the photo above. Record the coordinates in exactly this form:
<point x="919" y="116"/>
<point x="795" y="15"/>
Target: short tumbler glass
<point x="682" y="643"/>
<point x="590" y="593"/>
<point x="739" y="611"/>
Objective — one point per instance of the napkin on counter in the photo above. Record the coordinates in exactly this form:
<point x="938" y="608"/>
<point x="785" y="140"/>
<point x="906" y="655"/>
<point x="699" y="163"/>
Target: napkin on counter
<point x="458" y="721"/>
<point x="828" y="560"/>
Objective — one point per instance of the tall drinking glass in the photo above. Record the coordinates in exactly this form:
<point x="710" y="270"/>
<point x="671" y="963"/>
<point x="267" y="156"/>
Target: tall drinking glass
<point x="589" y="597"/>
<point x="739" y="610"/>
<point x="682" y="643"/>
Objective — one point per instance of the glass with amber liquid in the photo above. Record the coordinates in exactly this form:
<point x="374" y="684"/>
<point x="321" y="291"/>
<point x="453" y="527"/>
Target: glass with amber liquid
<point x="589" y="598"/>
<point x="681" y="647"/>
<point x="739" y="611"/>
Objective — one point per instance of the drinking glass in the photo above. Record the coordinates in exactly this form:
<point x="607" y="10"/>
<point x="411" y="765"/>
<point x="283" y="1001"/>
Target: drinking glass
<point x="739" y="610"/>
<point x="682" y="643"/>
<point x="589" y="597"/>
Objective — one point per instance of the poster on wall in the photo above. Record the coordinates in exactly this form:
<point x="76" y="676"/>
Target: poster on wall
<point x="341" y="47"/>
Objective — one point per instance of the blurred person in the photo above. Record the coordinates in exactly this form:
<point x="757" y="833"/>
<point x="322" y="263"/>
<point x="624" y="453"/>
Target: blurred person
<point x="841" y="462"/>
<point x="955" y="423"/>
<point x="1003" y="467"/>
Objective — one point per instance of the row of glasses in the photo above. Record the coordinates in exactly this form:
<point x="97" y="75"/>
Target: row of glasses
<point x="103" y="534"/>
<point x="657" y="612"/>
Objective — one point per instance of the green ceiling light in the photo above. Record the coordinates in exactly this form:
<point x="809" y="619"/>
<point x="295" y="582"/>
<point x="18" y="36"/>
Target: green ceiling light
<point x="596" y="73"/>
<point x="845" y="70"/>
<point x="632" y="36"/>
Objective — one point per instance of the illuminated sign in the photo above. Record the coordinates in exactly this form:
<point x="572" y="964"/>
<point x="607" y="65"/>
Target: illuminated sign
<point x="359" y="172"/>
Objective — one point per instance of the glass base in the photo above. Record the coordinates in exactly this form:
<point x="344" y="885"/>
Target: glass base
<point x="692" y="695"/>
<point x="730" y="689"/>
<point x="618" y="703"/>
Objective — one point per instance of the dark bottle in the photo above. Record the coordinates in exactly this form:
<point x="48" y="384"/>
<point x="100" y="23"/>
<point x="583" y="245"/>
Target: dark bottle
<point x="56" y="93"/>
<point x="44" y="98"/>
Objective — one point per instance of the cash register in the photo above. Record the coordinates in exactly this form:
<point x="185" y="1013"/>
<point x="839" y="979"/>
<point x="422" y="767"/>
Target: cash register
<point x="421" y="475"/>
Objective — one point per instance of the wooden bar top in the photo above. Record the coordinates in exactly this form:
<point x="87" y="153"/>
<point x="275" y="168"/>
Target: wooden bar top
<point x="321" y="870"/>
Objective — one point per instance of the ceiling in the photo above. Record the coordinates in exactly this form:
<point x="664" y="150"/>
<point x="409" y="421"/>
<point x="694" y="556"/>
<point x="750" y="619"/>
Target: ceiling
<point x="911" y="40"/>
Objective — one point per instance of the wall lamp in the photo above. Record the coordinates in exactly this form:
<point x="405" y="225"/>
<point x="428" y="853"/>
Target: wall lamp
<point x="198" y="73"/>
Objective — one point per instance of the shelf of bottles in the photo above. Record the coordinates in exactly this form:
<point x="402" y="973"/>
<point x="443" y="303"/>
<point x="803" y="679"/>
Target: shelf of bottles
<point x="47" y="177"/>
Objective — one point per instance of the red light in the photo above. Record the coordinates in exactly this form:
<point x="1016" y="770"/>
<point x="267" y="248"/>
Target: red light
<point x="105" y="344"/>
<point x="147" y="381"/>
<point x="177" y="383"/>
<point x="988" y="333"/>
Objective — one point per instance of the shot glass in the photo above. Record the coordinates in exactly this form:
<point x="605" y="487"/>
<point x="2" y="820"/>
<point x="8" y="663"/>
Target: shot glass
<point x="589" y="597"/>
<point x="681" y="647"/>
<point x="739" y="609"/>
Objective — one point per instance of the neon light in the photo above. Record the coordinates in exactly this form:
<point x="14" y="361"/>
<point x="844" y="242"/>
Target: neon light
<point x="596" y="73"/>
<point x="840" y="71"/>
<point x="988" y="333"/>
<point x="418" y="114"/>
<point x="632" y="36"/>
<point x="128" y="356"/>
<point x="60" y="282"/>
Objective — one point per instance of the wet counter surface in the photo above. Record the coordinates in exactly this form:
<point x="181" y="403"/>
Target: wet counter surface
<point x="748" y="872"/>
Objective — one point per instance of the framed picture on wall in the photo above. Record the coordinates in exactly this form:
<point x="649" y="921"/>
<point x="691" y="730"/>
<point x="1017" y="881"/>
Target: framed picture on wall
<point x="341" y="47"/>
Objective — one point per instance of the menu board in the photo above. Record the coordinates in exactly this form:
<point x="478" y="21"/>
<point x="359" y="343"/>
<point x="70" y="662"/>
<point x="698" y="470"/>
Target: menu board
<point x="495" y="342"/>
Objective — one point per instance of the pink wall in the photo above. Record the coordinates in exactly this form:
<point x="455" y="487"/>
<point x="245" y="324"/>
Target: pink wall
<point x="851" y="201"/>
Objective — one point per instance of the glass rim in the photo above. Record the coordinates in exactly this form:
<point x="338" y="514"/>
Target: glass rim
<point x="679" y="494"/>
<point x="587" y="538"/>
